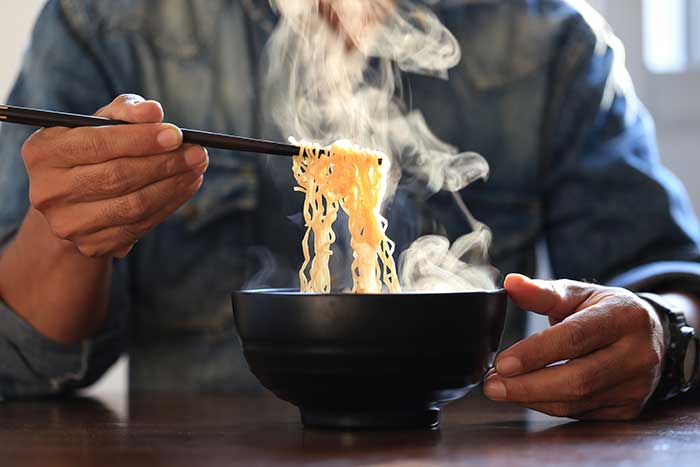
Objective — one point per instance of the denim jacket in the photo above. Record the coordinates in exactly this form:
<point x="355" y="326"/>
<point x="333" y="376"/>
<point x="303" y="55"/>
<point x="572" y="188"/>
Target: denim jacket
<point x="541" y="92"/>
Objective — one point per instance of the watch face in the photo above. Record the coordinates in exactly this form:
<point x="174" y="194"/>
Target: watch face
<point x="690" y="361"/>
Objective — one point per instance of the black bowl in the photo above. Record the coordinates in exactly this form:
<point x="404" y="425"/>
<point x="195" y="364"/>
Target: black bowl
<point x="371" y="360"/>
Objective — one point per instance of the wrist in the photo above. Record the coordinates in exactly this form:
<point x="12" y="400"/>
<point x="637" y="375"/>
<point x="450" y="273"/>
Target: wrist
<point x="662" y="321"/>
<point x="36" y="232"/>
<point x="45" y="280"/>
<point x="679" y="367"/>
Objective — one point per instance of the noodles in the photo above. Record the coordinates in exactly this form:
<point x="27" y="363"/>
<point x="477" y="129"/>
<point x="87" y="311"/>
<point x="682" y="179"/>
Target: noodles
<point x="348" y="177"/>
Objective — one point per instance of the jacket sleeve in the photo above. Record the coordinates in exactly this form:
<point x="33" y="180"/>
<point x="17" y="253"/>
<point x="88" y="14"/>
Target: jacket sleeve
<point x="58" y="73"/>
<point x="615" y="214"/>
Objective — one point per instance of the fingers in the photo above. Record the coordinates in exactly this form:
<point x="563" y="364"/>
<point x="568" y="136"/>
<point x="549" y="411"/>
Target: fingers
<point x="578" y="379"/>
<point x="556" y="299"/>
<point x="126" y="175"/>
<point x="118" y="241"/>
<point x="621" y="402"/>
<point x="86" y="218"/>
<point x="61" y="147"/>
<point x="580" y="334"/>
<point x="102" y="188"/>
<point x="614" y="413"/>
<point x="608" y="336"/>
<point x="132" y="108"/>
<point x="94" y="145"/>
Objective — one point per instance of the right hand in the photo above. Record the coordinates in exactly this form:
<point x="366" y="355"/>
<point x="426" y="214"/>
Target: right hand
<point x="104" y="188"/>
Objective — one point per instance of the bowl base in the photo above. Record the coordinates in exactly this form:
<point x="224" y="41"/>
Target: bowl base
<point x="426" y="419"/>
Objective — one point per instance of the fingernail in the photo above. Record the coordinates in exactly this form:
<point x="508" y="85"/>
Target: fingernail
<point x="170" y="137"/>
<point x="508" y="366"/>
<point x="495" y="390"/>
<point x="490" y="374"/>
<point x="195" y="157"/>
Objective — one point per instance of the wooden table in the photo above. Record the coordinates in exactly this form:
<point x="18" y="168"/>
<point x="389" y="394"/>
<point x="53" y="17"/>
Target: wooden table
<point x="172" y="430"/>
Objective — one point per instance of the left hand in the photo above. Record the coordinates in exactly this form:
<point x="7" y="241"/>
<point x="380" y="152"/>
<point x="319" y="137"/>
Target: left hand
<point x="613" y="342"/>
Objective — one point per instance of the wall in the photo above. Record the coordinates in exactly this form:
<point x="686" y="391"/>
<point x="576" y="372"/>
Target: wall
<point x="17" y="17"/>
<point x="670" y="98"/>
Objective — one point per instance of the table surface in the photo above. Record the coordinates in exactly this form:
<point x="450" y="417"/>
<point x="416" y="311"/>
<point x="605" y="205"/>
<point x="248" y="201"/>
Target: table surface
<point x="217" y="430"/>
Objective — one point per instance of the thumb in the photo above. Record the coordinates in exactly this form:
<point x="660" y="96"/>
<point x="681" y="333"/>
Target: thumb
<point x="556" y="299"/>
<point x="132" y="108"/>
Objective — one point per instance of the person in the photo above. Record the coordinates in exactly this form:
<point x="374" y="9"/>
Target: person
<point x="114" y="239"/>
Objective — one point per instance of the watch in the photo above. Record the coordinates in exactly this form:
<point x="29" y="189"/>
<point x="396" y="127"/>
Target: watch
<point x="680" y="368"/>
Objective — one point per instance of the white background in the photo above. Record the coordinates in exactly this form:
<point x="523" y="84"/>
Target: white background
<point x="677" y="125"/>
<point x="17" y="17"/>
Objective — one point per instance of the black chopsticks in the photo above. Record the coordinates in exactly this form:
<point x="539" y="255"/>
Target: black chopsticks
<point x="45" y="118"/>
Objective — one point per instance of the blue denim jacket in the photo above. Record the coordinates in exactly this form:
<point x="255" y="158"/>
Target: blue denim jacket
<point x="540" y="92"/>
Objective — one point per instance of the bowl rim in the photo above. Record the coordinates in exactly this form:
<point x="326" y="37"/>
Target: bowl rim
<point x="293" y="292"/>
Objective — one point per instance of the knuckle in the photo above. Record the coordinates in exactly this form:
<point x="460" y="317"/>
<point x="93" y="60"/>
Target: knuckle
<point x="31" y="152"/>
<point x="62" y="230"/>
<point x="84" y="144"/>
<point x="115" y="178"/>
<point x="118" y="211"/>
<point x="580" y="387"/>
<point x="558" y="287"/>
<point x="109" y="180"/>
<point x="96" y="250"/>
<point x="575" y="336"/>
<point x="636" y="320"/>
<point x="95" y="146"/>
<point x="128" y="99"/>
<point x="69" y="147"/>
<point x="633" y="304"/>
<point x="570" y="287"/>
<point x="169" y="165"/>
<point x="89" y="251"/>
<point x="619" y="292"/>
<point x="129" y="235"/>
<point x="122" y="98"/>
<point x="127" y="209"/>
<point x="563" y="284"/>
<point x="38" y="198"/>
<point x="139" y="204"/>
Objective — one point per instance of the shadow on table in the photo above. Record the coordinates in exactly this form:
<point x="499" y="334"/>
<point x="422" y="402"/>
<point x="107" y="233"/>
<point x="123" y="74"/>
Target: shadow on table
<point x="225" y="430"/>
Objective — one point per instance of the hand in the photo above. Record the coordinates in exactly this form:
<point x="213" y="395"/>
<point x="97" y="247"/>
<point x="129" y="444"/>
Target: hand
<point x="104" y="188"/>
<point x="612" y="339"/>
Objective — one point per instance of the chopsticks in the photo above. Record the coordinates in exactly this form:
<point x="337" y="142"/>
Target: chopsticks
<point x="45" y="118"/>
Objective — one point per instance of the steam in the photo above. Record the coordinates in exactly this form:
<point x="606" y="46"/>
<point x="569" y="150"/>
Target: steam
<point x="431" y="264"/>
<point x="339" y="78"/>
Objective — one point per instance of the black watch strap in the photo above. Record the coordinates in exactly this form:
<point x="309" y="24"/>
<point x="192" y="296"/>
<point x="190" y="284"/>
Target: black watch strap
<point x="679" y="336"/>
